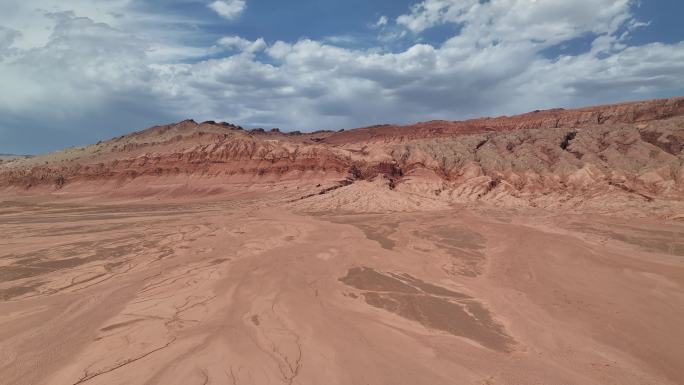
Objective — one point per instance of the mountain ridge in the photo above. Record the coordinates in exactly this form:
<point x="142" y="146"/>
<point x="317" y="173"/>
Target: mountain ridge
<point x="610" y="156"/>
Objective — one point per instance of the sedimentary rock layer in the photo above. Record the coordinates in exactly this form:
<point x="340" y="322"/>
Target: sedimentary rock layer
<point x="612" y="156"/>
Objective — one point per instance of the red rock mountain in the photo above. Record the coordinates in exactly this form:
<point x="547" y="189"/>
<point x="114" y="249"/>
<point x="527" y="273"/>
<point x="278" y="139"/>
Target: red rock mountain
<point x="612" y="158"/>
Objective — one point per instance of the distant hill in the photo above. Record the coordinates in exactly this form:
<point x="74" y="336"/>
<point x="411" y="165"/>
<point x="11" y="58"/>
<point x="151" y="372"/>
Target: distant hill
<point x="604" y="158"/>
<point x="11" y="157"/>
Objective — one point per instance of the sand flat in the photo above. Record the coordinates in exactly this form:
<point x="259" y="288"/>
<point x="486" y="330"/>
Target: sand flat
<point x="237" y="293"/>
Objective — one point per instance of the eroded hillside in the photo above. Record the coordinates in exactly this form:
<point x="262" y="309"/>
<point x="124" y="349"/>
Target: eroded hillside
<point x="610" y="157"/>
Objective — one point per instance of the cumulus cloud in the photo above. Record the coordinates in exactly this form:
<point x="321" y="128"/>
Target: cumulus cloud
<point x="82" y="83"/>
<point x="90" y="79"/>
<point x="228" y="9"/>
<point x="495" y="64"/>
<point x="80" y="57"/>
<point x="241" y="44"/>
<point x="550" y="21"/>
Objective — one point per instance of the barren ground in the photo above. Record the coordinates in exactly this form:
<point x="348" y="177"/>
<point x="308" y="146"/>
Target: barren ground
<point x="239" y="292"/>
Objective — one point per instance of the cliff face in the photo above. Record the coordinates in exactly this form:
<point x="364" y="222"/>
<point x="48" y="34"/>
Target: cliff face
<point x="608" y="156"/>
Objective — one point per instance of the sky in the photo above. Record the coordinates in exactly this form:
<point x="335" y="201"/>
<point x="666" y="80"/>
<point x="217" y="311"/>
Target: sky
<point x="78" y="71"/>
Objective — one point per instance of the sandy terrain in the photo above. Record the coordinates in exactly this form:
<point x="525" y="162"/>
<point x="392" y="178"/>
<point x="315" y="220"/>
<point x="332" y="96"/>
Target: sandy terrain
<point x="540" y="249"/>
<point x="240" y="292"/>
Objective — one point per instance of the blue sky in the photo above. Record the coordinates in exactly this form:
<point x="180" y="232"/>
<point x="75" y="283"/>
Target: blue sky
<point x="75" y="72"/>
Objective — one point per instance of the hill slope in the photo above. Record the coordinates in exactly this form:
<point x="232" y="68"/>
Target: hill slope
<point x="608" y="157"/>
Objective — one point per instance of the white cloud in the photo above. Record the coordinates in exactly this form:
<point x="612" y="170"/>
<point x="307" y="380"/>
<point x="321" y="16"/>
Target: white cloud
<point x="80" y="56"/>
<point x="315" y="85"/>
<point x="89" y="79"/>
<point x="546" y="22"/>
<point x="485" y="69"/>
<point x="228" y="9"/>
<point x="382" y="21"/>
<point x="28" y="16"/>
<point x="241" y="44"/>
<point x="341" y="40"/>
